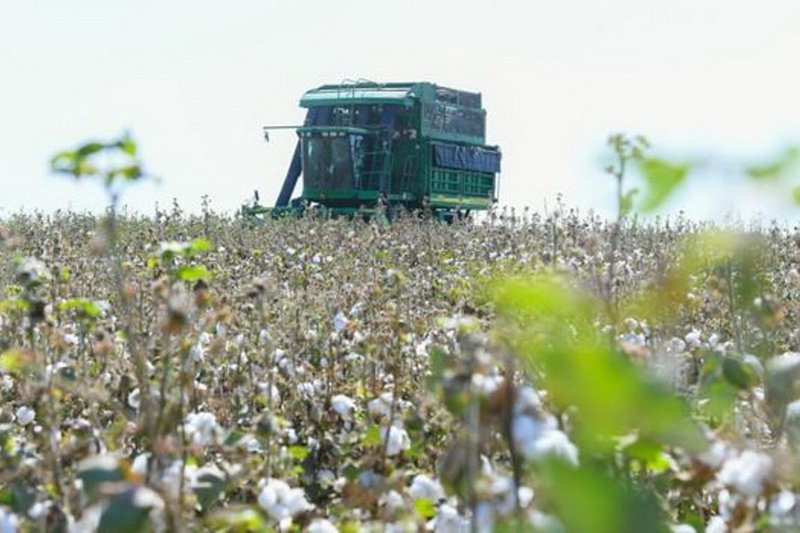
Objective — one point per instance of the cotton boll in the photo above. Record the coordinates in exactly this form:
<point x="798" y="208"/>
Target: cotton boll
<point x="716" y="525"/>
<point x="344" y="406"/>
<point x="692" y="339"/>
<point x="682" y="528"/>
<point x="202" y="429"/>
<point x="340" y="322"/>
<point x="552" y="443"/>
<point x="321" y="525"/>
<point x="396" y="440"/>
<point x="448" y="520"/>
<point x="24" y="415"/>
<point x="281" y="501"/>
<point x="425" y="487"/>
<point x="746" y="473"/>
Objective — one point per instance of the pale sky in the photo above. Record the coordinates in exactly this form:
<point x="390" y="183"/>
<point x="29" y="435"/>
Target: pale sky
<point x="194" y="81"/>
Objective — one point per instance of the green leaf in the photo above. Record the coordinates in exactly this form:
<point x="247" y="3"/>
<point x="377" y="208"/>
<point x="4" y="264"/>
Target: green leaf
<point x="425" y="508"/>
<point x="662" y="178"/>
<point x="586" y="499"/>
<point x="626" y="204"/>
<point x="200" y="245"/>
<point x="83" y="307"/>
<point x="122" y="515"/>
<point x="208" y="488"/>
<point x="779" y="169"/>
<point x="372" y="437"/>
<point x="89" y="149"/>
<point x="298" y="452"/>
<point x="13" y="361"/>
<point x="193" y="273"/>
<point x="552" y="328"/>
<point x="127" y="145"/>
<point x="796" y="194"/>
<point x="737" y="374"/>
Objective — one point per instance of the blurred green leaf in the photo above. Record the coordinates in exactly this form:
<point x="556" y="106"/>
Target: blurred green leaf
<point x="784" y="166"/>
<point x="193" y="273"/>
<point x="586" y="499"/>
<point x="425" y="508"/>
<point x="372" y="437"/>
<point x="662" y="178"/>
<point x="626" y="206"/>
<point x="123" y="515"/>
<point x="208" y="488"/>
<point x="737" y="374"/>
<point x="552" y="327"/>
<point x="82" y="306"/>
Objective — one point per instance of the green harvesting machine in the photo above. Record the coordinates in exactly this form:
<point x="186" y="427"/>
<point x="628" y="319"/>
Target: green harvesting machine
<point x="366" y="146"/>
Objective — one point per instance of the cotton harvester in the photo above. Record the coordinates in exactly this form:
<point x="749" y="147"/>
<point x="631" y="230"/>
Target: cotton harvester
<point x="365" y="146"/>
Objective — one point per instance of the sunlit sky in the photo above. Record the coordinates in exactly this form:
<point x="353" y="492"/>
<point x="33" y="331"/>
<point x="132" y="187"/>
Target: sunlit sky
<point x="194" y="81"/>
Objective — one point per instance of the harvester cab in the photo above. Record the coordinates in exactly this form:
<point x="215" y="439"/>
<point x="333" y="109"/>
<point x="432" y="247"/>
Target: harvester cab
<point x="413" y="145"/>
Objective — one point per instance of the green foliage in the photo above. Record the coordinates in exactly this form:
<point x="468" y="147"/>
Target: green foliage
<point x="111" y="162"/>
<point x="552" y="328"/>
<point x="661" y="178"/>
<point x="783" y="167"/>
<point x="587" y="500"/>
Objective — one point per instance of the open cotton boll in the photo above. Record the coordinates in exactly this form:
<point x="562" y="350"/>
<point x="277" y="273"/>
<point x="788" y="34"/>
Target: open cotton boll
<point x="24" y="415"/>
<point x="321" y="525"/>
<point x="746" y="473"/>
<point x="425" y="487"/>
<point x="281" y="501"/>
<point x="203" y="429"/>
<point x="344" y="406"/>
<point x="716" y="525"/>
<point x="546" y="444"/>
<point x="396" y="440"/>
<point x="448" y="520"/>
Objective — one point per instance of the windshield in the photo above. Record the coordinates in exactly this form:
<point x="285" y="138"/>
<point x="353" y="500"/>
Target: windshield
<point x="327" y="162"/>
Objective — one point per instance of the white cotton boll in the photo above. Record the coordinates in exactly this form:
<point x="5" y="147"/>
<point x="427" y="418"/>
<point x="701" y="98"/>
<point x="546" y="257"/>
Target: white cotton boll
<point x="321" y="525"/>
<point x="344" y="406"/>
<point x="448" y="520"/>
<point x="221" y="329"/>
<point x="782" y="504"/>
<point x="713" y="340"/>
<point x="527" y="400"/>
<point x="746" y="473"/>
<point x="393" y="501"/>
<point x="682" y="528"/>
<point x="340" y="322"/>
<point x="692" y="339"/>
<point x="204" y="337"/>
<point x="7" y="383"/>
<point x="197" y="353"/>
<point x="675" y="346"/>
<point x="552" y="443"/>
<point x="425" y="487"/>
<point x="202" y="429"/>
<point x="717" y="454"/>
<point x="486" y="385"/>
<point x="269" y="391"/>
<point x="306" y="389"/>
<point x="396" y="440"/>
<point x="281" y="501"/>
<point x="525" y="429"/>
<point x="380" y="406"/>
<point x="263" y="337"/>
<point x="716" y="525"/>
<point x="24" y="415"/>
